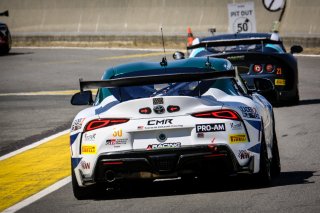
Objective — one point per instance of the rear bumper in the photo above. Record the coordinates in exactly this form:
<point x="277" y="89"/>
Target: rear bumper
<point x="218" y="160"/>
<point x="287" y="92"/>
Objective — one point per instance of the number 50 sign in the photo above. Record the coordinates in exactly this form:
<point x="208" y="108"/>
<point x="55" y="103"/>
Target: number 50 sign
<point x="242" y="18"/>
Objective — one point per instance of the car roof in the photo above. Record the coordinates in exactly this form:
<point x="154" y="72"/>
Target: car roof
<point x="177" y="66"/>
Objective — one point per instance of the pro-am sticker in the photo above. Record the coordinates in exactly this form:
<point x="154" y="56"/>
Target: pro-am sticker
<point x="210" y="127"/>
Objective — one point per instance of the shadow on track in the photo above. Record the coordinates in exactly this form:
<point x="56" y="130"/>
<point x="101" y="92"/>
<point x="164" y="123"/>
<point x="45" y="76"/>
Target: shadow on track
<point x="301" y="103"/>
<point x="15" y="53"/>
<point x="308" y="102"/>
<point x="197" y="186"/>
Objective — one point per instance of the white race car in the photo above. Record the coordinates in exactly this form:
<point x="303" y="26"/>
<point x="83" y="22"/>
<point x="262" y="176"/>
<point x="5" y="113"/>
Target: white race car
<point x="187" y="118"/>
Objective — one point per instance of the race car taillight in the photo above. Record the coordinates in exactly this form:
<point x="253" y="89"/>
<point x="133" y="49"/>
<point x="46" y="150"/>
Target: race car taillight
<point x="99" y="123"/>
<point x="222" y="114"/>
<point x="257" y="68"/>
<point x="269" y="68"/>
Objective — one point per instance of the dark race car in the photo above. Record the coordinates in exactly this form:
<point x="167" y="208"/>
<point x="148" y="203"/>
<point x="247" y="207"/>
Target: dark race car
<point x="260" y="55"/>
<point x="5" y="36"/>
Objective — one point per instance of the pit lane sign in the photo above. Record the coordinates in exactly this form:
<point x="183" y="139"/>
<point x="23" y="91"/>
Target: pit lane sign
<point x="242" y="18"/>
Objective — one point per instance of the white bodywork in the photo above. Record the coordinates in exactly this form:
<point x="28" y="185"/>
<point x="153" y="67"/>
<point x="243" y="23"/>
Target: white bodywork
<point x="141" y="132"/>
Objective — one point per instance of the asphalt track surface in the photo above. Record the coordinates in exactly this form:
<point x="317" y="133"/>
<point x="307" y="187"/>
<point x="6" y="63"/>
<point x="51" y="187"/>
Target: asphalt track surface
<point x="30" y="117"/>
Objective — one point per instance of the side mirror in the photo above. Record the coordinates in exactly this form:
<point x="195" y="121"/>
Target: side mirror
<point x="296" y="49"/>
<point x="263" y="85"/>
<point x="178" y="55"/>
<point x="82" y="98"/>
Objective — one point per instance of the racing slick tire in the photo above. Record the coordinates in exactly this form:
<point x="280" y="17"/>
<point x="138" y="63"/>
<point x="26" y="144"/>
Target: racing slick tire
<point x="275" y="163"/>
<point x="81" y="193"/>
<point x="264" y="175"/>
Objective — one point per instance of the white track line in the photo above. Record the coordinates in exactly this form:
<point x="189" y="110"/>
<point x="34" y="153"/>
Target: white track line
<point x="38" y="196"/>
<point x="45" y="140"/>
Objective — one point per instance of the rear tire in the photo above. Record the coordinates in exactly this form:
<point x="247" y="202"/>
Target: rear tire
<point x="264" y="175"/>
<point x="81" y="193"/>
<point x="275" y="163"/>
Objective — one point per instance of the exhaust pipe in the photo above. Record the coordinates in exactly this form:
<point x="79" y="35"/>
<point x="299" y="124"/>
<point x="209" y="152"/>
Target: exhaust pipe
<point x="110" y="176"/>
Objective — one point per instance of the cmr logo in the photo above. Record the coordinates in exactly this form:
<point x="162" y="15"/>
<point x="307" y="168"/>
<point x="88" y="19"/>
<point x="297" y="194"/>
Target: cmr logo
<point x="159" y="122"/>
<point x="237" y="138"/>
<point x="210" y="127"/>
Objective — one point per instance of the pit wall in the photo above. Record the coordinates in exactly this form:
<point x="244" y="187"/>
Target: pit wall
<point x="120" y="18"/>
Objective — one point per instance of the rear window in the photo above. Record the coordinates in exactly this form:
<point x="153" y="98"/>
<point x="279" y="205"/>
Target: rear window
<point x="194" y="89"/>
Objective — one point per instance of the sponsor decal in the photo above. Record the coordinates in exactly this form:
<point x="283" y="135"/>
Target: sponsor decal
<point x="237" y="138"/>
<point x="116" y="141"/>
<point x="117" y="133"/>
<point x="89" y="149"/>
<point x="159" y="124"/>
<point x="140" y="127"/>
<point x="236" y="126"/>
<point x="243" y="154"/>
<point x="157" y="101"/>
<point x="200" y="135"/>
<point x="213" y="139"/>
<point x="90" y="137"/>
<point x="77" y="124"/>
<point x="236" y="58"/>
<point x="85" y="165"/>
<point x="164" y="146"/>
<point x="249" y="112"/>
<point x="210" y="127"/>
<point x="280" y="82"/>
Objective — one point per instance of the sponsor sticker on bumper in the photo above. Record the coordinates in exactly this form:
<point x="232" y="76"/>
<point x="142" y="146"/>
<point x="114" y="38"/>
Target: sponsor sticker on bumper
<point x="89" y="149"/>
<point x="280" y="82"/>
<point x="237" y="138"/>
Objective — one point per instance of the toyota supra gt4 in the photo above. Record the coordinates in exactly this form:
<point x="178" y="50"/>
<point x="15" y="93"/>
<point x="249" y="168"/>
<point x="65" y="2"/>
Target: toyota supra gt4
<point x="187" y="118"/>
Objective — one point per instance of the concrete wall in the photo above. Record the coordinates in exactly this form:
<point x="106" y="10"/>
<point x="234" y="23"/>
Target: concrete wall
<point x="120" y="18"/>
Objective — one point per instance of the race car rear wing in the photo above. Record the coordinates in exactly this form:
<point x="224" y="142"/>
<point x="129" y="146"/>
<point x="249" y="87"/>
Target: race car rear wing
<point x="242" y="41"/>
<point x="156" y="79"/>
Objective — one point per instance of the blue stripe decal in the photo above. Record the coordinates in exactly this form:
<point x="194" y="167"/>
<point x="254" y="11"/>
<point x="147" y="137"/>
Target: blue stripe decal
<point x="75" y="162"/>
<point x="255" y="148"/>
<point x="106" y="107"/>
<point x="73" y="138"/>
<point x="255" y="124"/>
